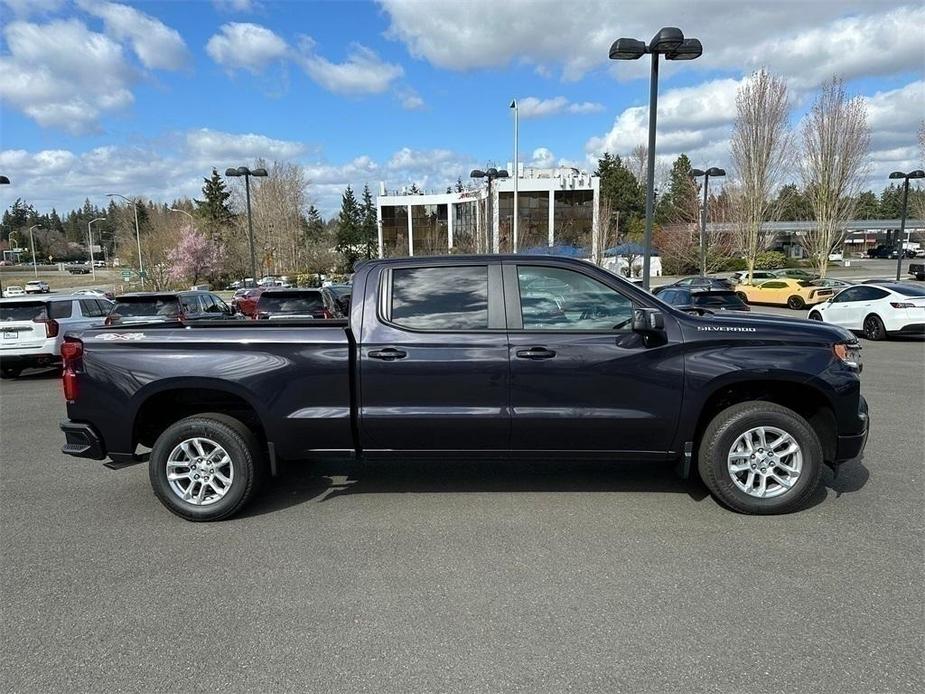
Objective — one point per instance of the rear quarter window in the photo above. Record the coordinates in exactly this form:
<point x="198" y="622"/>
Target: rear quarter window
<point x="60" y="309"/>
<point x="26" y="310"/>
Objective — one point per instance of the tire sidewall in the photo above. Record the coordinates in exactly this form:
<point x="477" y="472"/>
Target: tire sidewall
<point x="796" y="303"/>
<point x="224" y="435"/>
<point x="738" y="423"/>
<point x="881" y="329"/>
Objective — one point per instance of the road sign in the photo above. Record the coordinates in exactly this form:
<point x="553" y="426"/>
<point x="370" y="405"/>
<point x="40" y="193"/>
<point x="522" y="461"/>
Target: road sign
<point x="127" y="275"/>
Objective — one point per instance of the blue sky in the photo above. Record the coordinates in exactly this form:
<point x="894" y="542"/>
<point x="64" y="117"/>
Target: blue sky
<point x="144" y="97"/>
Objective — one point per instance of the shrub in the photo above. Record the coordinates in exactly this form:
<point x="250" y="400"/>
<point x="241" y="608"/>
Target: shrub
<point x="770" y="260"/>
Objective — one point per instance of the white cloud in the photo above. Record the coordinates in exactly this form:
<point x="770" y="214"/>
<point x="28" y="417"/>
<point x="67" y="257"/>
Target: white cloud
<point x="409" y="99"/>
<point x="532" y="107"/>
<point x="63" y="75"/>
<point x="27" y="8"/>
<point x="246" y="46"/>
<point x="221" y="149"/>
<point x="155" y="44"/>
<point x="806" y="42"/>
<point x="363" y="72"/>
<point x="234" y="5"/>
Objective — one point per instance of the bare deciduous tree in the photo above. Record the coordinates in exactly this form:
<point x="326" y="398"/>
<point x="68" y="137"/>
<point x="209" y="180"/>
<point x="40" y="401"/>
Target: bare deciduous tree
<point x="637" y="162"/>
<point x="761" y="141"/>
<point x="836" y="141"/>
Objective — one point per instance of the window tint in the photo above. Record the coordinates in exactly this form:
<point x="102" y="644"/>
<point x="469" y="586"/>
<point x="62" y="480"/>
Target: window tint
<point x="21" y="311"/>
<point x="220" y="305"/>
<point x="850" y="294"/>
<point x="440" y="298"/>
<point x="60" y="309"/>
<point x="774" y="285"/>
<point x="305" y="303"/>
<point x="90" y="308"/>
<point x="104" y="307"/>
<point x="667" y="295"/>
<point x="190" y="304"/>
<point x="718" y="300"/>
<point x="557" y="299"/>
<point x="146" y="306"/>
<point x="908" y="290"/>
<point x="872" y="293"/>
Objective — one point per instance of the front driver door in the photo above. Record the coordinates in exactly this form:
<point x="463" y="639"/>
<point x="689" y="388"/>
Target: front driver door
<point x="581" y="379"/>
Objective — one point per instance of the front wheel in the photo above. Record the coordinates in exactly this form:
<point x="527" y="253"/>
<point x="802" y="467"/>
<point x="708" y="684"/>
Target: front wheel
<point x="743" y="296"/>
<point x="796" y="302"/>
<point x="10" y="372"/>
<point x="815" y="315"/>
<point x="760" y="458"/>
<point x="206" y="467"/>
<point x="874" y="328"/>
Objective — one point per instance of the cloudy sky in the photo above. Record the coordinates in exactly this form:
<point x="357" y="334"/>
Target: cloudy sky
<point x="144" y="98"/>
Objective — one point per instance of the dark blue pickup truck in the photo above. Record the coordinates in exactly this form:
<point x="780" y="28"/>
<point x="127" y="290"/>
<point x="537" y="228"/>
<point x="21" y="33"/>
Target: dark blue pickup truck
<point x="492" y="356"/>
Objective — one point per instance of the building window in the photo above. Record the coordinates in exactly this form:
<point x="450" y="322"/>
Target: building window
<point x="429" y="226"/>
<point x="440" y="298"/>
<point x="573" y="218"/>
<point x="394" y="231"/>
<point x="466" y="231"/>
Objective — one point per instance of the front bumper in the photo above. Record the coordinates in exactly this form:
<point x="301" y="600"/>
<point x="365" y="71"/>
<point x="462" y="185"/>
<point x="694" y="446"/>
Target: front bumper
<point x="851" y="446"/>
<point x="82" y="440"/>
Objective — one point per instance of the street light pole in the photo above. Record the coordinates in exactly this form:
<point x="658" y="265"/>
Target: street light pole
<point x="90" y="239"/>
<point x="134" y="204"/>
<point x="4" y="181"/>
<point x="516" y="170"/>
<point x="247" y="173"/>
<point x="35" y="270"/>
<point x="670" y="42"/>
<point x="712" y="171"/>
<point x="918" y="173"/>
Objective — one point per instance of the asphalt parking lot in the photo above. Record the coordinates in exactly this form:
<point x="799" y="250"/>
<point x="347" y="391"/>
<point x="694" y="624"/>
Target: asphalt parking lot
<point x="489" y="577"/>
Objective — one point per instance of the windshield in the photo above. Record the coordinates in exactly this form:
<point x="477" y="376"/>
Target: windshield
<point x="305" y="303"/>
<point x="26" y="310"/>
<point x="146" y="307"/>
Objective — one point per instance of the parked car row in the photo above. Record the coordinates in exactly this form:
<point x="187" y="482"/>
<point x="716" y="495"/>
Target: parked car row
<point x="878" y="310"/>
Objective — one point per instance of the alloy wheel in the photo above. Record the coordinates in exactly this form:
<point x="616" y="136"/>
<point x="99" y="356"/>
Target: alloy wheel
<point x="765" y="462"/>
<point x="199" y="471"/>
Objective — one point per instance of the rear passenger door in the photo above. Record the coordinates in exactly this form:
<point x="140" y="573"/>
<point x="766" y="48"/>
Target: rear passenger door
<point x="434" y="358"/>
<point x="91" y="312"/>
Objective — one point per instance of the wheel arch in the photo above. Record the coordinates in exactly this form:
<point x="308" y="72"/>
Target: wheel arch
<point x="174" y="399"/>
<point x="804" y="398"/>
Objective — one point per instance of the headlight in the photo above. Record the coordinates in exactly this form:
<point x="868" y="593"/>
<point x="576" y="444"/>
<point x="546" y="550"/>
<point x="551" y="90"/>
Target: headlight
<point x="849" y="353"/>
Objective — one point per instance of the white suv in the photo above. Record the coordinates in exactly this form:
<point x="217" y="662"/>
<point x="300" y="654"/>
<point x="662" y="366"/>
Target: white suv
<point x="32" y="328"/>
<point x="37" y="287"/>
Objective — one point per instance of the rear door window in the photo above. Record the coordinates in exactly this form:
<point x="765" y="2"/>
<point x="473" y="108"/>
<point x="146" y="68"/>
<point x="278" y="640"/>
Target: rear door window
<point x="60" y="309"/>
<point x="293" y="304"/>
<point x="440" y="298"/>
<point x="146" y="307"/>
<point x="90" y="308"/>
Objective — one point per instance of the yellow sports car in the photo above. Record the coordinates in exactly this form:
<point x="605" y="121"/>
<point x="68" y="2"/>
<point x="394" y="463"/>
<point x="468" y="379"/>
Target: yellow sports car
<point x="796" y="294"/>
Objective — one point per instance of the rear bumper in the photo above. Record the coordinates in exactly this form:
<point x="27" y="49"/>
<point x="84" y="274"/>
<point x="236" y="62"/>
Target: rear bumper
<point x="25" y="361"/>
<point x="911" y="329"/>
<point x="82" y="440"/>
<point x="851" y="446"/>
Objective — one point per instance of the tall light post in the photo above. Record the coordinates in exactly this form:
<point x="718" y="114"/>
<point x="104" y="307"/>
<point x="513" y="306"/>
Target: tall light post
<point x="670" y="42"/>
<point x="174" y="209"/>
<point x="696" y="173"/>
<point x="516" y="169"/>
<point x="247" y="173"/>
<point x="90" y="239"/>
<point x="918" y="173"/>
<point x="4" y="181"/>
<point x="35" y="269"/>
<point x="134" y="204"/>
<point x="490" y="174"/>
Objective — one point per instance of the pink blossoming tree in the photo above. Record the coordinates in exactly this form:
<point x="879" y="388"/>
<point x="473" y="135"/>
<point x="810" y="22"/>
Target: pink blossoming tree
<point x="194" y="257"/>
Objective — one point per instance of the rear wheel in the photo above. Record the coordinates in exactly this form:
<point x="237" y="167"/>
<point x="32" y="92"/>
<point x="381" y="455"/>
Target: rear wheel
<point x="760" y="458"/>
<point x="874" y="328"/>
<point x="10" y="371"/>
<point x="796" y="302"/>
<point x="742" y="296"/>
<point x="206" y="467"/>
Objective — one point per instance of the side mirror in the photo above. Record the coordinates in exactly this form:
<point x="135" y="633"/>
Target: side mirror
<point x="648" y="320"/>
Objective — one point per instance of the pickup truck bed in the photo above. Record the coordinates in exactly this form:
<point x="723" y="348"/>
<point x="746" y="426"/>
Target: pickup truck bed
<point x="470" y="356"/>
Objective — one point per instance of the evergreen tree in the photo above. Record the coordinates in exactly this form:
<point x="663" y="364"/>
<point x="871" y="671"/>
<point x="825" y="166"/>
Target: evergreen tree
<point x="792" y="204"/>
<point x="348" y="229"/>
<point x="891" y="202"/>
<point x="314" y="224"/>
<point x="369" y="227"/>
<point x="213" y="209"/>
<point x="679" y="204"/>
<point x="868" y="206"/>
<point x="621" y="189"/>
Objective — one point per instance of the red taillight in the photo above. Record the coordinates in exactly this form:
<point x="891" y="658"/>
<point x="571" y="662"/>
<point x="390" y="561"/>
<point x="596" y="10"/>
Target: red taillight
<point x="51" y="325"/>
<point x="71" y="353"/>
<point x="901" y="304"/>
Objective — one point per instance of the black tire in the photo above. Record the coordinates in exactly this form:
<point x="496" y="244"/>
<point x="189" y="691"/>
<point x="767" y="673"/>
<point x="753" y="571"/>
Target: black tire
<point x="719" y="438"/>
<point x="10" y="372"/>
<point x="247" y="455"/>
<point x="874" y="328"/>
<point x="796" y="302"/>
<point x="815" y="315"/>
<point x="743" y="296"/>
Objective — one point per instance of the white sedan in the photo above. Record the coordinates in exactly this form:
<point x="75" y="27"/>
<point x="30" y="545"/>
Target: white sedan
<point x="876" y="310"/>
<point x="13" y="290"/>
